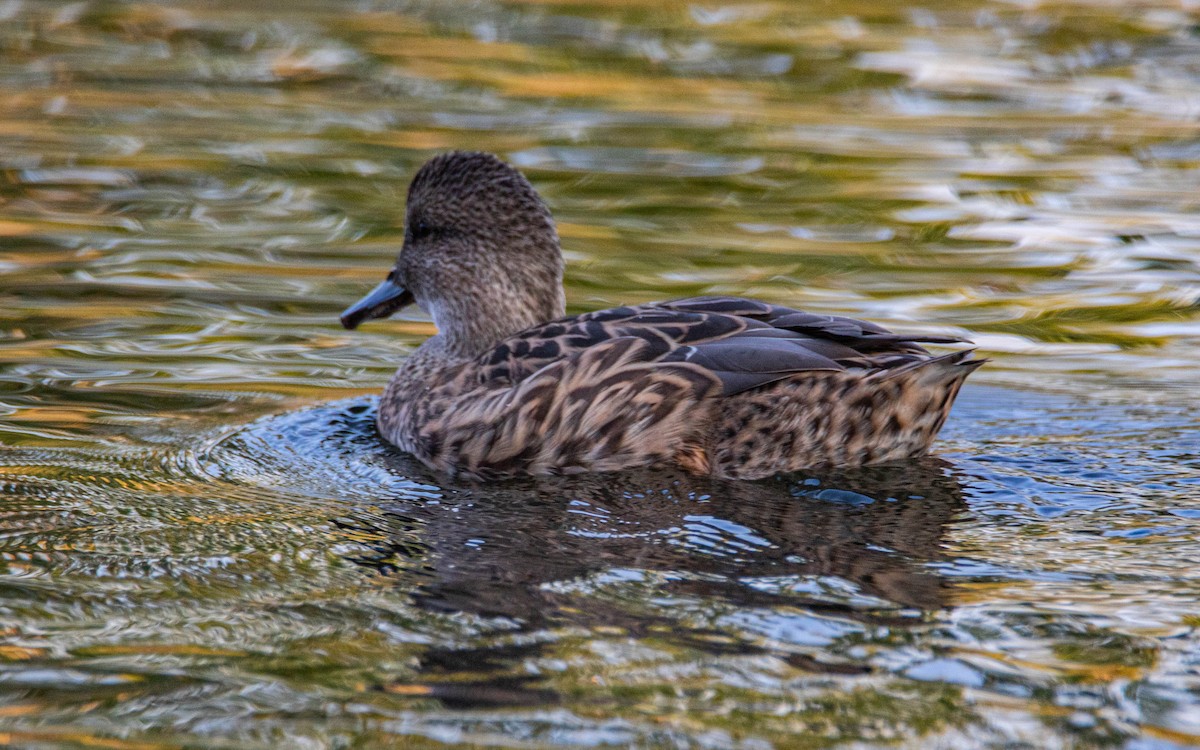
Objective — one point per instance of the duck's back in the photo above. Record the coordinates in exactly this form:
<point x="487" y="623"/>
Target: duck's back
<point x="725" y="385"/>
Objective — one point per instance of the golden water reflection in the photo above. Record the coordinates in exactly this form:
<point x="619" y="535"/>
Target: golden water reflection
<point x="197" y="548"/>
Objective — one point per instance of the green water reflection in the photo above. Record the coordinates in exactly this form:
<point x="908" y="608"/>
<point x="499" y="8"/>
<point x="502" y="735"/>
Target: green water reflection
<point x="203" y="545"/>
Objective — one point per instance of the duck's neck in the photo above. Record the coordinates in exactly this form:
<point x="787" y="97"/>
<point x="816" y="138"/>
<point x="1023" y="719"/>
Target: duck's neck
<point x="470" y="328"/>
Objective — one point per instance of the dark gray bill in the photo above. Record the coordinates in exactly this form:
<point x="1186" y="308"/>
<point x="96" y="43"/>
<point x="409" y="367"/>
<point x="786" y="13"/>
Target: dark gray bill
<point x="381" y="302"/>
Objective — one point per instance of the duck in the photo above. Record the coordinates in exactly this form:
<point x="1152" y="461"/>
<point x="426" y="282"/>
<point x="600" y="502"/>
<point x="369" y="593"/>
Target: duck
<point x="734" y="388"/>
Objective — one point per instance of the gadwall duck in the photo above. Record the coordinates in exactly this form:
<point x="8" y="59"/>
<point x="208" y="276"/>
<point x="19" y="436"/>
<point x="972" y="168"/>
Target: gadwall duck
<point x="716" y="385"/>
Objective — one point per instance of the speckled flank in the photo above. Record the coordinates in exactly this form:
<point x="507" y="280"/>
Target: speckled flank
<point x="715" y="385"/>
<point x="848" y="418"/>
<point x="600" y="409"/>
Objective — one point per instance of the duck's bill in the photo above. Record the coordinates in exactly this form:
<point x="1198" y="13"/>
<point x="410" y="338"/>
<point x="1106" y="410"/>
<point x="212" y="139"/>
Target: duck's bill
<point x="381" y="302"/>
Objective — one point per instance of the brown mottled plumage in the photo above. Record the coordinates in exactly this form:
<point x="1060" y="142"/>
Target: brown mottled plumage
<point x="722" y="385"/>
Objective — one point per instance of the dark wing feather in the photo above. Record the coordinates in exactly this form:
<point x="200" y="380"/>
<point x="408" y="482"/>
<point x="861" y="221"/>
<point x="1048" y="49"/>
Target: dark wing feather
<point x="799" y="341"/>
<point x="862" y="333"/>
<point x="745" y="362"/>
<point x="524" y="353"/>
<point x="748" y="308"/>
<point x="745" y="343"/>
<point x="754" y="354"/>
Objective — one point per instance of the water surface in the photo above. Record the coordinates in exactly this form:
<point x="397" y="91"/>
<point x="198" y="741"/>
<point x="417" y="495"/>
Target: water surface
<point x="203" y="543"/>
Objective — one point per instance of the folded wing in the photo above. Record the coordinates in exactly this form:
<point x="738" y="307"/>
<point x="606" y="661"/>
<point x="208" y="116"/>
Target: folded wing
<point x="744" y="343"/>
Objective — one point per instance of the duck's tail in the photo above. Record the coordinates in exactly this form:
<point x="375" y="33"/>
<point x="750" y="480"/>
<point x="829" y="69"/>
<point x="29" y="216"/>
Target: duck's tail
<point x="947" y="368"/>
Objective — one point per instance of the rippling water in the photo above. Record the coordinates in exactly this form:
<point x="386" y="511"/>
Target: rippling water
<point x="203" y="543"/>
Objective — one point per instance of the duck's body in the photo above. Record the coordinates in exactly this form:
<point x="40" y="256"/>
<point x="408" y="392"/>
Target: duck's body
<point x="721" y="385"/>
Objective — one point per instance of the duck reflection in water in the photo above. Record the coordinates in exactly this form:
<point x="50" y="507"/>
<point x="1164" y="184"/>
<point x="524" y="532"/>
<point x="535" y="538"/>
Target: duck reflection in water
<point x="534" y="551"/>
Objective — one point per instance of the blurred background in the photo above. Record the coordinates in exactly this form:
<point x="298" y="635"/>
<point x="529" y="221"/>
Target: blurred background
<point x="203" y="544"/>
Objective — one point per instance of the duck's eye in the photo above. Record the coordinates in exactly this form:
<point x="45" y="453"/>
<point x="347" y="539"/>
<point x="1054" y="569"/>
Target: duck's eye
<point x="421" y="230"/>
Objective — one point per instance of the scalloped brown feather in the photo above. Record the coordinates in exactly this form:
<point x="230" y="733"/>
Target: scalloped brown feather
<point x="601" y="408"/>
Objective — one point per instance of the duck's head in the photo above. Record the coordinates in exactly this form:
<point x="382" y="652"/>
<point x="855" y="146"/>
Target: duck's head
<point x="480" y="254"/>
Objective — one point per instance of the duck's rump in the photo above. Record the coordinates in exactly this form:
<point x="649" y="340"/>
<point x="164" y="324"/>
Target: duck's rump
<point x="846" y="418"/>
